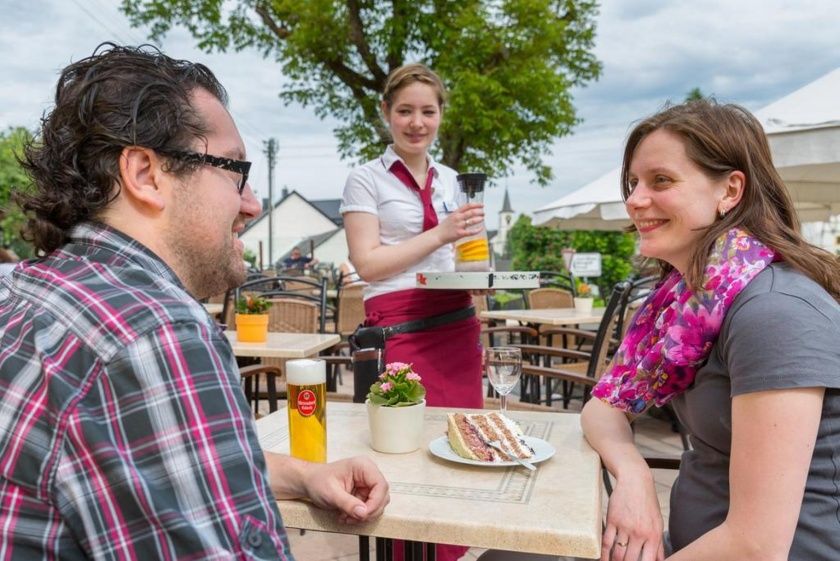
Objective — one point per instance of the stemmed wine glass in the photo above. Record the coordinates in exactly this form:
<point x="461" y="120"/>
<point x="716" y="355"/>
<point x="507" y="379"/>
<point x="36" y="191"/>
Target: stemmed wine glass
<point x="504" y="366"/>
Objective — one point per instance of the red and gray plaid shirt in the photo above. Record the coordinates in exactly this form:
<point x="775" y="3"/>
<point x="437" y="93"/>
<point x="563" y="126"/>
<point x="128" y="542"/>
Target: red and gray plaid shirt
<point x="123" y="430"/>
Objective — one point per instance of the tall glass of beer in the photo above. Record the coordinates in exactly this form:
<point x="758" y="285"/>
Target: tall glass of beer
<point x="306" y="382"/>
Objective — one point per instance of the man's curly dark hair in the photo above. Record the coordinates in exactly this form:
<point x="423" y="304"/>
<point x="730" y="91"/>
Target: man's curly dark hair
<point x="118" y="97"/>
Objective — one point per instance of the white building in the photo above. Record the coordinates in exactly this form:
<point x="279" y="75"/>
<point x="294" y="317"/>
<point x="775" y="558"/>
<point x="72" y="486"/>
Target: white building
<point x="314" y="226"/>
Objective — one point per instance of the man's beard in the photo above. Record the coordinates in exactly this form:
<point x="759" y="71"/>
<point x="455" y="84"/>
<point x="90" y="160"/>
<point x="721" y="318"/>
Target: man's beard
<point x="207" y="271"/>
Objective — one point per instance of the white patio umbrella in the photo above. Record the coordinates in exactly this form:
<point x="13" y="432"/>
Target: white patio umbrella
<point x="595" y="206"/>
<point x="803" y="129"/>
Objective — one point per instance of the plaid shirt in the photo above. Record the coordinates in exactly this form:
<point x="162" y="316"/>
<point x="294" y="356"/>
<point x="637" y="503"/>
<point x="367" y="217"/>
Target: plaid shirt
<point x="124" y="433"/>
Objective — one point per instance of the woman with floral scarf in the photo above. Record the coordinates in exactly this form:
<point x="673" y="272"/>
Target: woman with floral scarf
<point x="742" y="336"/>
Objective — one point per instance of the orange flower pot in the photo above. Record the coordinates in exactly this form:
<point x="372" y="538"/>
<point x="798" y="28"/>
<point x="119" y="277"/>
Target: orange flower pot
<point x="252" y="328"/>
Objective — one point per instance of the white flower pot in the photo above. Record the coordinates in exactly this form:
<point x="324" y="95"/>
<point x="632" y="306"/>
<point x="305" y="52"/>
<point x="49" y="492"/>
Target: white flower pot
<point x="396" y="430"/>
<point x="584" y="305"/>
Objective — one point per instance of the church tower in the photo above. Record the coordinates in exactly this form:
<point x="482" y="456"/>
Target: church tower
<point x="505" y="224"/>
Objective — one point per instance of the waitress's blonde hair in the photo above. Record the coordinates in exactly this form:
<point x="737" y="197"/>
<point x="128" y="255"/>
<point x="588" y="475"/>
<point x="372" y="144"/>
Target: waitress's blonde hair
<point x="410" y="74"/>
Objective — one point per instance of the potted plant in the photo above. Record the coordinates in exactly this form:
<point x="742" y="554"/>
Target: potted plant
<point x="252" y="319"/>
<point x="583" y="297"/>
<point x="396" y="404"/>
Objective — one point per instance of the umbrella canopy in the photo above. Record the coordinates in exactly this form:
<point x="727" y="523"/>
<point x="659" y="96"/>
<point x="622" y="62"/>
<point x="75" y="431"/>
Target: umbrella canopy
<point x="803" y="129"/>
<point x="595" y="206"/>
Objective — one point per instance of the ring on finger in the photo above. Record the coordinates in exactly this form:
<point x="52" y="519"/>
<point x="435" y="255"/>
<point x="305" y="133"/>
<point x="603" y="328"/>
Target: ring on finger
<point x="619" y="544"/>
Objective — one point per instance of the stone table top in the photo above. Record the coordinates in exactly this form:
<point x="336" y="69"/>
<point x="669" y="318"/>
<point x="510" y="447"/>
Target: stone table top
<point x="549" y="316"/>
<point x="284" y="345"/>
<point x="553" y="510"/>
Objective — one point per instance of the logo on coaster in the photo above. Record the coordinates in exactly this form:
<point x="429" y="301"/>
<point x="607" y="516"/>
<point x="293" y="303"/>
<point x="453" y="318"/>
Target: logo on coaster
<point x="306" y="403"/>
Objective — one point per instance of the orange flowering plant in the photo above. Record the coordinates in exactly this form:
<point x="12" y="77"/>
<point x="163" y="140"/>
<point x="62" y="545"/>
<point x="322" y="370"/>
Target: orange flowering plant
<point x="584" y="290"/>
<point x="250" y="304"/>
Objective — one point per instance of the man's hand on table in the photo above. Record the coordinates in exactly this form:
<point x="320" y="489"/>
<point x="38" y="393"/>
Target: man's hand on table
<point x="354" y="486"/>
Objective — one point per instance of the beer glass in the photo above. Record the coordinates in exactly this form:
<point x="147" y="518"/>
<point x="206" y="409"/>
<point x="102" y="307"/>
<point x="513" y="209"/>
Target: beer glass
<point x="306" y="382"/>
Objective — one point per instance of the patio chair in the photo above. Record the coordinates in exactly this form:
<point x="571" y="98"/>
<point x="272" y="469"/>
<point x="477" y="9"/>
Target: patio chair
<point x="541" y="298"/>
<point x="507" y="336"/>
<point x="543" y="361"/>
<point x="253" y="378"/>
<point x="639" y="289"/>
<point x="349" y="313"/>
<point x="557" y="290"/>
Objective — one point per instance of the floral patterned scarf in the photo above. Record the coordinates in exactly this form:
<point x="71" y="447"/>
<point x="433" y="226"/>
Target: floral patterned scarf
<point x="672" y="334"/>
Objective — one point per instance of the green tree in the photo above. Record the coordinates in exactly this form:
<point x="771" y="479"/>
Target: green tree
<point x="508" y="65"/>
<point x="537" y="248"/>
<point x="12" y="179"/>
<point x="695" y="94"/>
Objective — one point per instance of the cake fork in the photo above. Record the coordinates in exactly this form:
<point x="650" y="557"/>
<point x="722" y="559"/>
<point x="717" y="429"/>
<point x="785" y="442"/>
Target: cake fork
<point x="498" y="446"/>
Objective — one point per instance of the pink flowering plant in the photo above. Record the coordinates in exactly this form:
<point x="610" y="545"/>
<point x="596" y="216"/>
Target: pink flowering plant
<point x="398" y="386"/>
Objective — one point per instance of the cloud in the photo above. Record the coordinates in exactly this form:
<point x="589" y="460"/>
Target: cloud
<point x="750" y="52"/>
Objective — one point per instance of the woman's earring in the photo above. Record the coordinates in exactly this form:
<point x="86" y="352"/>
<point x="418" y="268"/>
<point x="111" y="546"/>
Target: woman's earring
<point x="722" y="214"/>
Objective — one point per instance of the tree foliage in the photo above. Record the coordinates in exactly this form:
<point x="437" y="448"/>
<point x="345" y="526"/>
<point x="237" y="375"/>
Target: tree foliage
<point x="12" y="179"/>
<point x="537" y="248"/>
<point x="508" y="64"/>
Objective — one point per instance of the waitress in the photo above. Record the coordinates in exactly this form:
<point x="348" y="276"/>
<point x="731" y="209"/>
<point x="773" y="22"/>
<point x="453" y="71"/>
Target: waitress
<point x="400" y="218"/>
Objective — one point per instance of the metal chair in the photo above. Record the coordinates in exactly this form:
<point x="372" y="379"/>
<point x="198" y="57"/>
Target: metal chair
<point x="349" y="313"/>
<point x="252" y="381"/>
<point x="287" y="287"/>
<point x="541" y="361"/>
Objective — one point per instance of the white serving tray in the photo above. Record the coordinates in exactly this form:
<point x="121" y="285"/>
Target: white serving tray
<point x="479" y="281"/>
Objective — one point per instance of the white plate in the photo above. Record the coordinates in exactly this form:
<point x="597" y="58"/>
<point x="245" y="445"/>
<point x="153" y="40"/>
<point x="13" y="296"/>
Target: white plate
<point x="542" y="451"/>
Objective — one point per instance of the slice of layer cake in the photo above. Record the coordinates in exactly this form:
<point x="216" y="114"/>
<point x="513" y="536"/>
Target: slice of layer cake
<point x="468" y="433"/>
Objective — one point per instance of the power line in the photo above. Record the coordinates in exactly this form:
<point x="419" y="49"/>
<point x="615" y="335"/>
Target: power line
<point x="116" y="35"/>
<point x="107" y="9"/>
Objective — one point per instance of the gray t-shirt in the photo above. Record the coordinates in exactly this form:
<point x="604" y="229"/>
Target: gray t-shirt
<point x="782" y="331"/>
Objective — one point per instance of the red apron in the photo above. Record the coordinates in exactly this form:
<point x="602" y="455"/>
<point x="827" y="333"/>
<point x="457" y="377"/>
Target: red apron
<point x="447" y="357"/>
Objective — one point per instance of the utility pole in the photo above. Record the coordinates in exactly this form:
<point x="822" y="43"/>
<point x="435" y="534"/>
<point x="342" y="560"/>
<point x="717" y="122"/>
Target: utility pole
<point x="270" y="152"/>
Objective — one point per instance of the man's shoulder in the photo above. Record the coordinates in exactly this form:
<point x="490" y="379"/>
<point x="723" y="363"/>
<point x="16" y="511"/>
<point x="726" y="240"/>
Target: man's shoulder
<point x="106" y="306"/>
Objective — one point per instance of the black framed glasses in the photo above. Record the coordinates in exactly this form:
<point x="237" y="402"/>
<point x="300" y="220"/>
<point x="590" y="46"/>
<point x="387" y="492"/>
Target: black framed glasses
<point x="241" y="167"/>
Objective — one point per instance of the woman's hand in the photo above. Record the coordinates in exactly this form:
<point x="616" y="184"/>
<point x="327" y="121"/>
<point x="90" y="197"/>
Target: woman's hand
<point x="634" y="521"/>
<point x="465" y="221"/>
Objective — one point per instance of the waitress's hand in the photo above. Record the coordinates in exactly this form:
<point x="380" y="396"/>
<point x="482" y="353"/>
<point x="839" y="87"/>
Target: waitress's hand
<point x="466" y="221"/>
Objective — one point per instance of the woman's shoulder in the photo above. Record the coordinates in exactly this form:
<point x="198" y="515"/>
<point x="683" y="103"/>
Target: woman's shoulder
<point x="445" y="172"/>
<point x="781" y="298"/>
<point x="366" y="169"/>
<point x="780" y="282"/>
<point x="363" y="177"/>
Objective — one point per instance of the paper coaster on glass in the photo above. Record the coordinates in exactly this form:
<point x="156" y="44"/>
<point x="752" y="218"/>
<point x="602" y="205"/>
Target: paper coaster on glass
<point x="479" y="281"/>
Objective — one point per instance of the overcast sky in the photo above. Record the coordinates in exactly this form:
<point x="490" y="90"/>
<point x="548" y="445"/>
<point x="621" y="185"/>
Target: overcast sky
<point x="749" y="51"/>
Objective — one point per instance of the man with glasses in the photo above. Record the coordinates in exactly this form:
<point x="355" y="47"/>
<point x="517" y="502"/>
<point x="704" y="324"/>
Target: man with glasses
<point x="123" y="430"/>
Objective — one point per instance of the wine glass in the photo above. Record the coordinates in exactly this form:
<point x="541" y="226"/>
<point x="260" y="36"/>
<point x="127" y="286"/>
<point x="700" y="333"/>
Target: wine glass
<point x="504" y="366"/>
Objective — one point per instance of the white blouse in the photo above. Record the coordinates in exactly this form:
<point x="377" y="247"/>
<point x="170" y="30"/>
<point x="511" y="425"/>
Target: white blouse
<point x="372" y="188"/>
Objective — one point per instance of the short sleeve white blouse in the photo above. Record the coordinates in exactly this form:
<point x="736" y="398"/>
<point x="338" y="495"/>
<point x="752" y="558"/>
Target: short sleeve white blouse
<point x="373" y="189"/>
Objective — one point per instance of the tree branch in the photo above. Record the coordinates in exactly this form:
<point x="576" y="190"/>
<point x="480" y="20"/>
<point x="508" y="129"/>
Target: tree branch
<point x="265" y="15"/>
<point x="357" y="37"/>
<point x="395" y="51"/>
